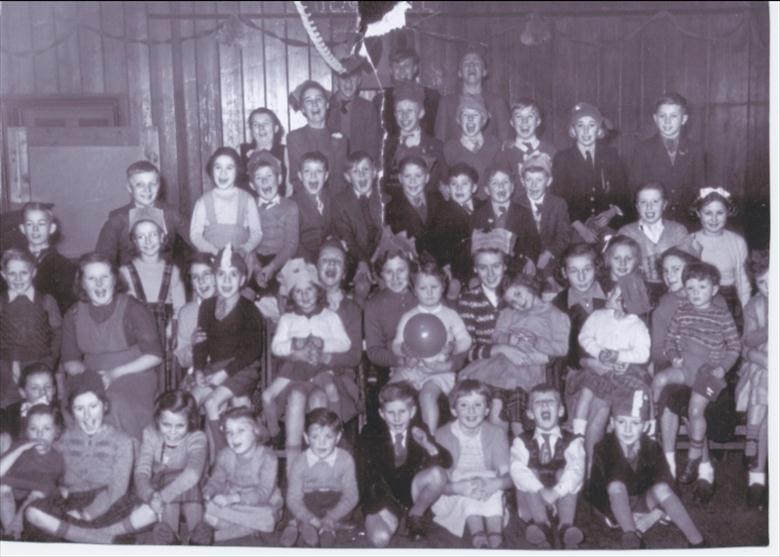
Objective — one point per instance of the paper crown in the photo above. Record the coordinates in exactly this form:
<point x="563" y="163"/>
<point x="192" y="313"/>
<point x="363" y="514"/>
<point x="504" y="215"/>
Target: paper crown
<point x="635" y="404"/>
<point x="389" y="242"/>
<point x="151" y="214"/>
<point x="296" y="273"/>
<point x="537" y="161"/>
<point x="295" y="98"/>
<point x="498" y="239"/>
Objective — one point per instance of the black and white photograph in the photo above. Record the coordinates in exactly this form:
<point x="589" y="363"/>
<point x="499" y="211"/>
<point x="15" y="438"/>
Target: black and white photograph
<point x="388" y="276"/>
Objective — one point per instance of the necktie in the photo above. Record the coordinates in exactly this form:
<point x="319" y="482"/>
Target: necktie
<point x="221" y="311"/>
<point x="320" y="205"/>
<point x="400" y="450"/>
<point x="468" y="208"/>
<point x="633" y="452"/>
<point x="546" y="455"/>
<point x="589" y="158"/>
<point x="528" y="148"/>
<point x="365" y="209"/>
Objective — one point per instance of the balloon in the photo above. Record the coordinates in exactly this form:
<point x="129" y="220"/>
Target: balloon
<point x="425" y="335"/>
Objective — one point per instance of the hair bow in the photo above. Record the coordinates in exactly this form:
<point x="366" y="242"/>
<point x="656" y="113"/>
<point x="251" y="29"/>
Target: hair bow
<point x="704" y="192"/>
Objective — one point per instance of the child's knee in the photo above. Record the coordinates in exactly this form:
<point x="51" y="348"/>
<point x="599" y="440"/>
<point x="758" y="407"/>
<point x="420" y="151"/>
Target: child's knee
<point x="662" y="492"/>
<point x="434" y="477"/>
<point x="617" y="488"/>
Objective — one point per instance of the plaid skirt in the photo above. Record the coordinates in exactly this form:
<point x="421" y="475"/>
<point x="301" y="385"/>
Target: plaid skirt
<point x="162" y="478"/>
<point x="609" y="385"/>
<point x="514" y="403"/>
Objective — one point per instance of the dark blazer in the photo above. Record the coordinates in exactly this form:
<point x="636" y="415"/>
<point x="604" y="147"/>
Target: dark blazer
<point x="314" y="227"/>
<point x="518" y="220"/>
<point x="554" y="228"/>
<point x="401" y="215"/>
<point x="449" y="239"/>
<point x="387" y="110"/>
<point x="589" y="190"/>
<point x="430" y="149"/>
<point x="682" y="180"/>
<point x="358" y="120"/>
<point x="350" y="223"/>
<point x="379" y="479"/>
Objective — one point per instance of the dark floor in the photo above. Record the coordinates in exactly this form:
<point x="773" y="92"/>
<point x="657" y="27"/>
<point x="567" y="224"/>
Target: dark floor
<point x="725" y="522"/>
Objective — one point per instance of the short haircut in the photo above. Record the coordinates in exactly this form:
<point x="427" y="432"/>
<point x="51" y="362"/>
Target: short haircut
<point x="248" y="414"/>
<point x="701" y="271"/>
<point x="356" y="158"/>
<point x="623" y="240"/>
<point x="88" y="259"/>
<point x="674" y="251"/>
<point x="37" y="368"/>
<point x="227" y="152"/>
<point x="494" y="169"/>
<point x="580" y="249"/>
<point x="429" y="266"/>
<point x="389" y="254"/>
<point x="467" y="387"/>
<point x="526" y="281"/>
<point x="463" y="169"/>
<point x="315" y="156"/>
<point x="657" y="186"/>
<point x="201" y="258"/>
<point x="403" y="390"/>
<point x="260" y="159"/>
<point x="404" y="53"/>
<point x="262" y="110"/>
<point x="45" y="208"/>
<point x="412" y="159"/>
<point x="43" y="409"/>
<point x="324" y="417"/>
<point x="140" y="167"/>
<point x="671" y="98"/>
<point x="14" y="254"/>
<point x="544" y="388"/>
<point x="758" y="264"/>
<point x="728" y="203"/>
<point x="178" y="402"/>
<point x="526" y="102"/>
<point x="235" y="261"/>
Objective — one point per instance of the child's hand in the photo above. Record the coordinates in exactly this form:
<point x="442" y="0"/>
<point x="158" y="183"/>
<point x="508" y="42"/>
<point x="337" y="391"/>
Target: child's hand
<point x="548" y="495"/>
<point x="108" y="376"/>
<point x="328" y="524"/>
<point x="27" y="445"/>
<point x="316" y="522"/>
<point x="677" y="362"/>
<point x="216" y="379"/>
<point x="221" y="500"/>
<point x="718" y="372"/>
<point x="608" y="356"/>
<point x="422" y="439"/>
<point x="198" y="336"/>
<point x="16" y="371"/>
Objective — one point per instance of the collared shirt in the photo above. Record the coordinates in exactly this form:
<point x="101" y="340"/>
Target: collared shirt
<point x="527" y="146"/>
<point x="312" y="458"/>
<point x="264" y="205"/>
<point x="554" y="434"/>
<point x="411" y="139"/>
<point x="38" y="252"/>
<point x="591" y="150"/>
<point x="585" y="299"/>
<point x="491" y="295"/>
<point x="320" y="204"/>
<point x="501" y="209"/>
<point x="29" y="294"/>
<point x="653" y="231"/>
<point x="468" y="206"/>
<point x="536" y="209"/>
<point x="403" y="434"/>
<point x="473" y="144"/>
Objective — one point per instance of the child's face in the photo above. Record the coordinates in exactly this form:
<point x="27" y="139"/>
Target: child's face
<point x="673" y="268"/>
<point x="471" y="410"/>
<point x="500" y="187"/>
<point x="471" y="122"/>
<point x="536" y="183"/>
<point x="39" y="389"/>
<point x="361" y="176"/>
<point x="413" y="179"/>
<point x="203" y="280"/>
<point x="19" y="275"/>
<point x="490" y="268"/>
<point x="37" y="228"/>
<point x="669" y="119"/>
<point x="147" y="238"/>
<point x="173" y="426"/>
<point x="313" y="176"/>
<point x="525" y="121"/>
<point x="404" y="70"/>
<point x="586" y="131"/>
<point x="229" y="282"/>
<point x="428" y="290"/>
<point x="395" y="274"/>
<point x="348" y="85"/>
<point x="580" y="272"/>
<point x="266" y="183"/>
<point x="224" y="172"/>
<point x="700" y="292"/>
<point x="650" y="205"/>
<point x="241" y="435"/>
<point x="398" y="414"/>
<point x="322" y="440"/>
<point x="472" y="69"/>
<point x="144" y="187"/>
<point x="408" y="114"/>
<point x="461" y="189"/>
<point x="713" y="217"/>
<point x="330" y="266"/>
<point x="519" y="297"/>
<point x="621" y="261"/>
<point x="305" y="297"/>
<point x="263" y="129"/>
<point x="41" y="428"/>
<point x="762" y="283"/>
<point x="88" y="412"/>
<point x="315" y="106"/>
<point x="627" y="429"/>
<point x="99" y="283"/>
<point x="545" y="409"/>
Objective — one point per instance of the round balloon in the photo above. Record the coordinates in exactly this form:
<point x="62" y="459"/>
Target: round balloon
<point x="425" y="335"/>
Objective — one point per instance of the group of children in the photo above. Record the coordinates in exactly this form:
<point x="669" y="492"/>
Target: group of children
<point x="549" y="310"/>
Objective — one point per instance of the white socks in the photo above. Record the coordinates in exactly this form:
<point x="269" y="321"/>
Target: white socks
<point x="756" y="478"/>
<point x="672" y="463"/>
<point x="578" y="426"/>
<point x="706" y="471"/>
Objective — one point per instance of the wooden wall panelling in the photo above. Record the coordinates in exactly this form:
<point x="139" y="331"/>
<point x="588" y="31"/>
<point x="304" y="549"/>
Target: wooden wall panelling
<point x="231" y="87"/>
<point x="297" y="62"/>
<point x="91" y="49"/>
<point x="653" y="66"/>
<point x="180" y="108"/>
<point x="757" y="169"/>
<point x="609" y="92"/>
<point x="113" y="23"/>
<point x="45" y="63"/>
<point x="138" y="76"/>
<point x="252" y="65"/>
<point x="275" y="63"/>
<point x="18" y="167"/>
<point x="163" y="106"/>
<point x="65" y="15"/>
<point x="18" y="33"/>
<point x="209" y="107"/>
<point x="565" y="72"/>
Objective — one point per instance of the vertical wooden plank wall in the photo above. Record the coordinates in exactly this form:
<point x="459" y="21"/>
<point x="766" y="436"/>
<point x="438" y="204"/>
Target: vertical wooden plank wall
<point x="189" y="95"/>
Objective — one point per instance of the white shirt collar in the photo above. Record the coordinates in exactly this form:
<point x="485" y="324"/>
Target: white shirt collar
<point x="29" y="294"/>
<point x="497" y="205"/>
<point x="404" y="435"/>
<point x="536" y="202"/>
<point x="534" y="142"/>
<point x="421" y="309"/>
<point x="554" y="433"/>
<point x="591" y="150"/>
<point x="653" y="231"/>
<point x="312" y="458"/>
<point x="268" y="204"/>
<point x="491" y="295"/>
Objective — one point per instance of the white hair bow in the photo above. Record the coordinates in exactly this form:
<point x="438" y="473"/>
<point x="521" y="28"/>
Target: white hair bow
<point x="704" y="192"/>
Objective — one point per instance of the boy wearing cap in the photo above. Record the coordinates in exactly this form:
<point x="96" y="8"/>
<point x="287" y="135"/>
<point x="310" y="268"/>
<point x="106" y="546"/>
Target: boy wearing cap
<point x="312" y="100"/>
<point x="670" y="158"/>
<point x="143" y="184"/>
<point x="472" y="71"/>
<point x="404" y="66"/>
<point x="354" y="117"/>
<point x="473" y="146"/>
<point x="631" y="477"/>
<point x="589" y="175"/>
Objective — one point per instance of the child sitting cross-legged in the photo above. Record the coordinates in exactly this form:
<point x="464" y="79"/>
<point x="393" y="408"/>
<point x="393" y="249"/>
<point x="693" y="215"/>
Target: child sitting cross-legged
<point x="630" y="477"/>
<point x="548" y="468"/>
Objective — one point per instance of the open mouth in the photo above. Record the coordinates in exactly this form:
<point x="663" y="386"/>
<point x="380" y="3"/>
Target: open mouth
<point x="546" y="415"/>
